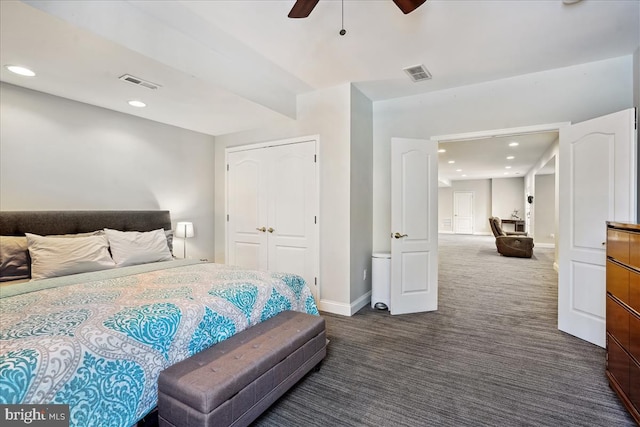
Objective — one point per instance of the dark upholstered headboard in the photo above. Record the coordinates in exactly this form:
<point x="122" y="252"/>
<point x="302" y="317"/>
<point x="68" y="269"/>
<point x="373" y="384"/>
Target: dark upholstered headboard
<point x="16" y="223"/>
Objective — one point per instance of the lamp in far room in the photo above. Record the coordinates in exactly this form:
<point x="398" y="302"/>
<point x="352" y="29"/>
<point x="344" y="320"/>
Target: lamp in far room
<point x="184" y="230"/>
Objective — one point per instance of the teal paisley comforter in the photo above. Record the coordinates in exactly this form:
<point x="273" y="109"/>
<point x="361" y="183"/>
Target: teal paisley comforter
<point x="98" y="341"/>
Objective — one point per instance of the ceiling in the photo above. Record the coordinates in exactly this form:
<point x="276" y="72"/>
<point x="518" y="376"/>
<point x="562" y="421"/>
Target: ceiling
<point x="228" y="66"/>
<point x="492" y="157"/>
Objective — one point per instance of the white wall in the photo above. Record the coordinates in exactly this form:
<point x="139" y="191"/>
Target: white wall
<point x="58" y="154"/>
<point x="550" y="155"/>
<point x="636" y="102"/>
<point x="361" y="193"/>
<point x="326" y="113"/>
<point x="481" y="189"/>
<point x="507" y="196"/>
<point x="568" y="94"/>
<point x="445" y="210"/>
<point x="544" y="208"/>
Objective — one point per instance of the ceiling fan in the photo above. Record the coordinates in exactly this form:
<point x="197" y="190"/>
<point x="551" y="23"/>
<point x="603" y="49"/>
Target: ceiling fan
<point x="302" y="8"/>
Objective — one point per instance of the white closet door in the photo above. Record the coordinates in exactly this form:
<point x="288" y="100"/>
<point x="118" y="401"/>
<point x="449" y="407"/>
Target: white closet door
<point x="292" y="210"/>
<point x="272" y="207"/>
<point x="247" y="208"/>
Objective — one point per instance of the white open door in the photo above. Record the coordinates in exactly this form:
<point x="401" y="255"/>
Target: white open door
<point x="414" y="225"/>
<point x="597" y="174"/>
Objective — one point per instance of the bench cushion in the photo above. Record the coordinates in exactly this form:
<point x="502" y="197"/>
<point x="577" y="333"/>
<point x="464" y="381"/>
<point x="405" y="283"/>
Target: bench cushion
<point x="245" y="367"/>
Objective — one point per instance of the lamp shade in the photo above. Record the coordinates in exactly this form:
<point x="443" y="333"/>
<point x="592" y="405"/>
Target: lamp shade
<point x="184" y="229"/>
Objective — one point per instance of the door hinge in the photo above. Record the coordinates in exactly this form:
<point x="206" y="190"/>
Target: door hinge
<point x="315" y="219"/>
<point x="227" y="217"/>
<point x="315" y="281"/>
<point x="227" y="167"/>
<point x="315" y="160"/>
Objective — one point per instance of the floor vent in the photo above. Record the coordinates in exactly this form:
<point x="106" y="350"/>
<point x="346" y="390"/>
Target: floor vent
<point x="138" y="81"/>
<point x="418" y="73"/>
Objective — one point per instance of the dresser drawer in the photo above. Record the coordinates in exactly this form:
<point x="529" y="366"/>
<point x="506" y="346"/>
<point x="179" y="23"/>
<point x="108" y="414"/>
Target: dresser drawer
<point x="634" y="336"/>
<point x="634" y="291"/>
<point x="634" y="384"/>
<point x="618" y="364"/>
<point x="634" y="250"/>
<point x="618" y="322"/>
<point x="618" y="281"/>
<point x="618" y="245"/>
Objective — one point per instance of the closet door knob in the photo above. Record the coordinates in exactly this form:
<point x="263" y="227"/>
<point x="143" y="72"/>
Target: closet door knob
<point x="398" y="235"/>
<point x="263" y="229"/>
<point x="270" y="230"/>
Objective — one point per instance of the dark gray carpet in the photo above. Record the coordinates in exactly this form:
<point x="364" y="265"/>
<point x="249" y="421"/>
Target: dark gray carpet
<point x="490" y="356"/>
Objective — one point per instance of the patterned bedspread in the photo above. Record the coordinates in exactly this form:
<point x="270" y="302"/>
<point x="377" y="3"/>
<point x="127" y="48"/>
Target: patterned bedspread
<point x="99" y="345"/>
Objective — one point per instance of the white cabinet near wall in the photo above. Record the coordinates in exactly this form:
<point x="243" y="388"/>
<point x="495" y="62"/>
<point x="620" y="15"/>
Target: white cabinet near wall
<point x="272" y="209"/>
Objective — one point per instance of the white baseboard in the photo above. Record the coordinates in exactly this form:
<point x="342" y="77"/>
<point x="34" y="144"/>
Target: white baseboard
<point x="480" y="233"/>
<point x="335" y="307"/>
<point x="543" y="245"/>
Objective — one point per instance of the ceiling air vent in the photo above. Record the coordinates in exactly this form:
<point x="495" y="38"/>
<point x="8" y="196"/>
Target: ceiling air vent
<point x="139" y="81"/>
<point x="418" y="73"/>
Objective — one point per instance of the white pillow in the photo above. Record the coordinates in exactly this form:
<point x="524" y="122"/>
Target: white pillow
<point x="61" y="256"/>
<point x="134" y="247"/>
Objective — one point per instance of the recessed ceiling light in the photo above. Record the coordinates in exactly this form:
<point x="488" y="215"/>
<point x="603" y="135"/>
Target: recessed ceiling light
<point x="506" y="173"/>
<point x="138" y="104"/>
<point x="464" y="174"/>
<point x="513" y="144"/>
<point x="442" y="150"/>
<point x="451" y="162"/>
<point x="458" y="170"/>
<point x="510" y="157"/>
<point x="20" y="70"/>
<point x="507" y="167"/>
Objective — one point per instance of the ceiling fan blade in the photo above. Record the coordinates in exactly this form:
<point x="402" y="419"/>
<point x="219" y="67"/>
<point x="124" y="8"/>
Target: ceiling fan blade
<point x="408" y="6"/>
<point x="302" y="8"/>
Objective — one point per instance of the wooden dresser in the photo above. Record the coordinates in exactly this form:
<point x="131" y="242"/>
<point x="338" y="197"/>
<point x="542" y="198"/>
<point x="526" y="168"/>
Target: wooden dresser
<point x="623" y="313"/>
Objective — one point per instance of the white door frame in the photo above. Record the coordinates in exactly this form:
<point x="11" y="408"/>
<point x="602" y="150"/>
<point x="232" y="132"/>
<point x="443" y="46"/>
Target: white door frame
<point x="549" y="127"/>
<point x="315" y="287"/>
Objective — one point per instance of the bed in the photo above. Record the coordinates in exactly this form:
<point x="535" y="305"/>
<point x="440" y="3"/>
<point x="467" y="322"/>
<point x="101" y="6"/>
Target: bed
<point x="98" y="340"/>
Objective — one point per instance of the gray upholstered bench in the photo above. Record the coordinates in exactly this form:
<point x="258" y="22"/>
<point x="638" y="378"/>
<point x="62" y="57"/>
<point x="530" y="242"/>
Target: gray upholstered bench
<point x="234" y="381"/>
